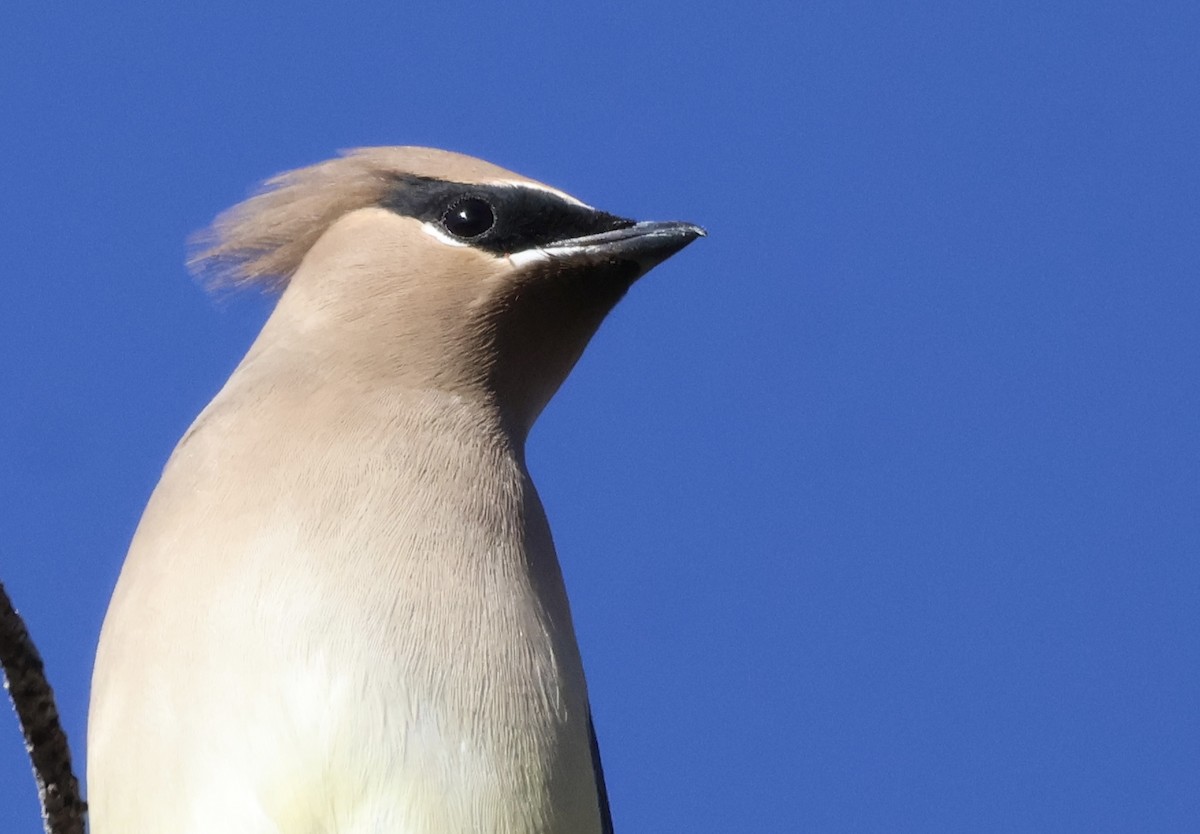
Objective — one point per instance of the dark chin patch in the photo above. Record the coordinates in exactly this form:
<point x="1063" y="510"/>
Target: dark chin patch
<point x="542" y="324"/>
<point x="525" y="217"/>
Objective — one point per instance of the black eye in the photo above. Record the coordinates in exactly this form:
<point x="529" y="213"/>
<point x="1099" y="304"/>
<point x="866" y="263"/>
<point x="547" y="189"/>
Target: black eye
<point x="468" y="217"/>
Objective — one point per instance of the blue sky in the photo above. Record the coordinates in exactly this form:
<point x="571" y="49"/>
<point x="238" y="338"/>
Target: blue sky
<point x="879" y="508"/>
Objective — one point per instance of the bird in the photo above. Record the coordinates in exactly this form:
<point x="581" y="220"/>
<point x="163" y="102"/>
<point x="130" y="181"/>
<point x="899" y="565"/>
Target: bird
<point x="342" y="611"/>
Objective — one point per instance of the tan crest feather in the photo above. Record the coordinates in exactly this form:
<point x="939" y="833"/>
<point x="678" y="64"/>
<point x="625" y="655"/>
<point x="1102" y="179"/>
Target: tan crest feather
<point x="264" y="239"/>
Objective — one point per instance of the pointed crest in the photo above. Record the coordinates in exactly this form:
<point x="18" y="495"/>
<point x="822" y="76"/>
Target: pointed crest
<point x="263" y="240"/>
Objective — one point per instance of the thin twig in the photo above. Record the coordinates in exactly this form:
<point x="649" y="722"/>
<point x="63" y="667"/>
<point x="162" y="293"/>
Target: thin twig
<point x="63" y="809"/>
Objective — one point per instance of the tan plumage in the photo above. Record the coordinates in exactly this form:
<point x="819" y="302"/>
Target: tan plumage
<point x="342" y="611"/>
<point x="265" y="238"/>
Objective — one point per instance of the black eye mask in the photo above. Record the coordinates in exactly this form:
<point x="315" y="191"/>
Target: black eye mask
<point x="500" y="219"/>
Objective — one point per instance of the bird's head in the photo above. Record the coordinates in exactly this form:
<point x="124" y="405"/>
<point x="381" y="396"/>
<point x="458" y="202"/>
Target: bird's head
<point x="424" y="268"/>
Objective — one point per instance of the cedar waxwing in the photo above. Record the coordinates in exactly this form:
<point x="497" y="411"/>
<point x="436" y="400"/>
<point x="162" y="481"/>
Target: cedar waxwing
<point x="342" y="612"/>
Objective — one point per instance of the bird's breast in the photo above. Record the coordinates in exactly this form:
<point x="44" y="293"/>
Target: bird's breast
<point x="376" y="632"/>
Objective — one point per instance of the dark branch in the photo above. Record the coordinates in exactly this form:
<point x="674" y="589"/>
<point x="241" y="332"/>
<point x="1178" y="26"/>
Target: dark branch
<point x="63" y="809"/>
